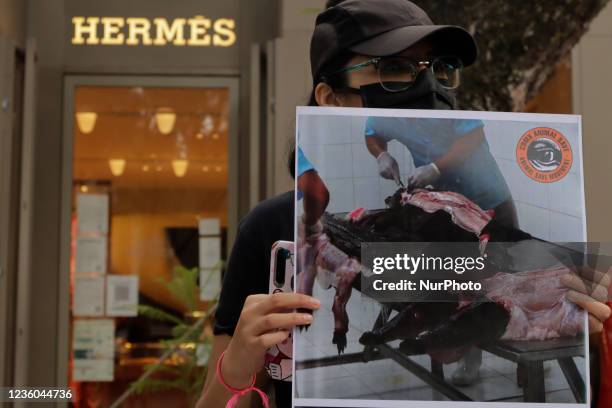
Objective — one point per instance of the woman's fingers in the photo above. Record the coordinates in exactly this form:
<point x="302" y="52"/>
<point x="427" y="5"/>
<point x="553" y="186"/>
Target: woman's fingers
<point x="596" y="290"/>
<point x="253" y="299"/>
<point x="595" y="276"/>
<point x="592" y="275"/>
<point x="598" y="309"/>
<point x="595" y="326"/>
<point x="282" y="321"/>
<point x="273" y="338"/>
<point x="287" y="301"/>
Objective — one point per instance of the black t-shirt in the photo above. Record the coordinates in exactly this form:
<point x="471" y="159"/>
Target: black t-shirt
<point x="248" y="270"/>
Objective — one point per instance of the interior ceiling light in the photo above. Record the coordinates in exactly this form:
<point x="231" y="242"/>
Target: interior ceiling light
<point x="117" y="166"/>
<point x="208" y="124"/>
<point x="180" y="167"/>
<point x="138" y="90"/>
<point x="165" y="119"/>
<point x="205" y="169"/>
<point x="86" y="121"/>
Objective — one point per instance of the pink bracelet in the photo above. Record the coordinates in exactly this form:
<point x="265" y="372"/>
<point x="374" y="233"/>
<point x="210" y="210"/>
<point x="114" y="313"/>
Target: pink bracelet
<point x="239" y="393"/>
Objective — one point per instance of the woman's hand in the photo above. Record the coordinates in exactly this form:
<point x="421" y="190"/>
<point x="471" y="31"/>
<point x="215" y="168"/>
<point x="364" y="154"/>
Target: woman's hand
<point x="265" y="321"/>
<point x="589" y="290"/>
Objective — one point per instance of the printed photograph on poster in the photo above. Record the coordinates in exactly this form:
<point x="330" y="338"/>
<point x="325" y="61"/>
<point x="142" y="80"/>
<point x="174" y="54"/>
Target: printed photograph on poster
<point x="93" y="348"/>
<point x="88" y="297"/>
<point x="91" y="254"/>
<point x="439" y="259"/>
<point x="92" y="213"/>
<point x="121" y="295"/>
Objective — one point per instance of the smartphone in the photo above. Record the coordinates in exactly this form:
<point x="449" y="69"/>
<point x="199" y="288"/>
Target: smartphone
<point x="279" y="359"/>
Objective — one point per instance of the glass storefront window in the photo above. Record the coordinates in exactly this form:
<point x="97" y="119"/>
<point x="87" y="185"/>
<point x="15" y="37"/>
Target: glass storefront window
<point x="149" y="211"/>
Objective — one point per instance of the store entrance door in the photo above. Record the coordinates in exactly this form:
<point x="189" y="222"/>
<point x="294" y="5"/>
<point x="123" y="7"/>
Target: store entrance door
<point x="150" y="198"/>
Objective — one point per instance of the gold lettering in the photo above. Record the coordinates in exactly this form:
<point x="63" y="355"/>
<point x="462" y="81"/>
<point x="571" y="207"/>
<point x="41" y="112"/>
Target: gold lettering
<point x="224" y="36"/>
<point x="80" y="29"/>
<point x="199" y="25"/>
<point x="203" y="32"/>
<point x="173" y="33"/>
<point x="138" y="27"/>
<point x="111" y="34"/>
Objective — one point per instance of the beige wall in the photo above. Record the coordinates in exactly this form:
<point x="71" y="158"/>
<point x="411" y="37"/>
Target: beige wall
<point x="12" y="20"/>
<point x="592" y="87"/>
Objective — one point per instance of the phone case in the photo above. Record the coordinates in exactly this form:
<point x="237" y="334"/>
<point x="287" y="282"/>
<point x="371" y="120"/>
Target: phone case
<point x="278" y="360"/>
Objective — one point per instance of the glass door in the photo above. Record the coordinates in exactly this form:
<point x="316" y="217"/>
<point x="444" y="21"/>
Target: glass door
<point x="151" y="201"/>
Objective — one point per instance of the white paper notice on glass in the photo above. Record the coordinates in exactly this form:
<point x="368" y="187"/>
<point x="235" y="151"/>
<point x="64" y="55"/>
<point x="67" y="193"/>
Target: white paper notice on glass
<point x="209" y="226"/>
<point x="210" y="252"/>
<point x="93" y="347"/>
<point x="88" y="296"/>
<point x="121" y="295"/>
<point x="91" y="254"/>
<point x="92" y="213"/>
<point x="210" y="283"/>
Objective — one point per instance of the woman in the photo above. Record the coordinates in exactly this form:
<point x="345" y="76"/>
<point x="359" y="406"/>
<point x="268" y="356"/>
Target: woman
<point x="248" y="321"/>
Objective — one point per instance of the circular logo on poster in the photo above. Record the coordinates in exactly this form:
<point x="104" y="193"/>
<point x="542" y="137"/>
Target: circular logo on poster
<point x="544" y="155"/>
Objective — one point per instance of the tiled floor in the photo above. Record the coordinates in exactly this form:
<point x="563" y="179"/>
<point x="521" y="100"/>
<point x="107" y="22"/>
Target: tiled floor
<point x="386" y="379"/>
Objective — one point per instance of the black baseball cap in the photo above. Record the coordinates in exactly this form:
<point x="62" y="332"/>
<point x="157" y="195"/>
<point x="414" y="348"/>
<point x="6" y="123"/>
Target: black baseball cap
<point x="380" y="28"/>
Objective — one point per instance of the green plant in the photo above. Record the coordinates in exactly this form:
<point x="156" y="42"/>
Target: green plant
<point x="183" y="363"/>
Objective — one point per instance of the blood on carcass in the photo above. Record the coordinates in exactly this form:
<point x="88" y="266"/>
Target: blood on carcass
<point x="464" y="213"/>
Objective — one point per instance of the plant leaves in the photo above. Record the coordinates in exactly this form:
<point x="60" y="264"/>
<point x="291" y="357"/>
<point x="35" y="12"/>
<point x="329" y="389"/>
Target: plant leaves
<point x="158" y="314"/>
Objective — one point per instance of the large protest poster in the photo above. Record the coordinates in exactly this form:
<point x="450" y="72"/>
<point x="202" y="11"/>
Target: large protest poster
<point x="421" y="268"/>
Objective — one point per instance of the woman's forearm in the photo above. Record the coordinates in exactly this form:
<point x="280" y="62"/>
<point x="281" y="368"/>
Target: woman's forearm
<point x="214" y="393"/>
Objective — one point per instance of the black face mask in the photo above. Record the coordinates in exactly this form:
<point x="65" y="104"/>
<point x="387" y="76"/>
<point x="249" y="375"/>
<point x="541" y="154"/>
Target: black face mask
<point x="425" y="93"/>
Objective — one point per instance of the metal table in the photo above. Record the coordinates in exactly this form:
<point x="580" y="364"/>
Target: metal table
<point x="529" y="355"/>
